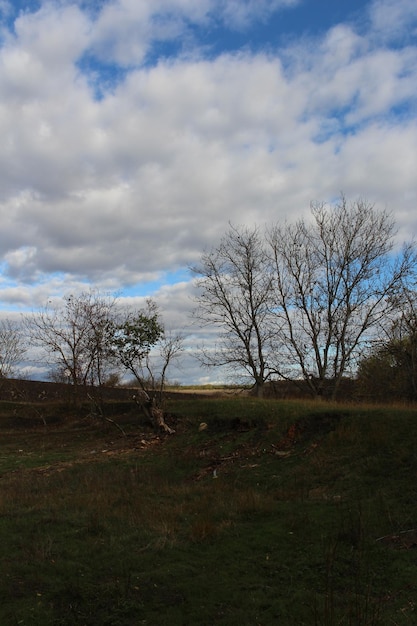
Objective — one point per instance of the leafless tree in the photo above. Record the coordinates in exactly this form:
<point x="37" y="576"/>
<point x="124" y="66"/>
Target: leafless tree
<point x="302" y="301"/>
<point x="100" y="313"/>
<point x="168" y="350"/>
<point x="334" y="278"/>
<point x="235" y="295"/>
<point x="12" y="347"/>
<point x="74" y="335"/>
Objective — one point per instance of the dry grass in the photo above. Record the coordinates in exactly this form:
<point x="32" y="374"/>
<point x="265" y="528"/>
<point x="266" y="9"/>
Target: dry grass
<point x="270" y="515"/>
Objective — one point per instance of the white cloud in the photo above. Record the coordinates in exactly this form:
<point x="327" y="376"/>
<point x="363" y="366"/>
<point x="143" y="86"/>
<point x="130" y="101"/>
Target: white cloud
<point x="122" y="189"/>
<point x="240" y="13"/>
<point x="145" y="23"/>
<point x="40" y="55"/>
<point x="142" y="179"/>
<point x="394" y="19"/>
<point x="384" y="171"/>
<point x="345" y="76"/>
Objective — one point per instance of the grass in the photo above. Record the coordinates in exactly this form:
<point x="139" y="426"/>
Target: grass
<point x="274" y="513"/>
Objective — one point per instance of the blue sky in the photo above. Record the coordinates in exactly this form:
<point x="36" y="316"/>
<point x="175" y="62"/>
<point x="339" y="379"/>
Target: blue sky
<point x="134" y="131"/>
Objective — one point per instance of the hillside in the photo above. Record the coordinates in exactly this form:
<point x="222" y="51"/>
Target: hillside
<point x="42" y="391"/>
<point x="254" y="512"/>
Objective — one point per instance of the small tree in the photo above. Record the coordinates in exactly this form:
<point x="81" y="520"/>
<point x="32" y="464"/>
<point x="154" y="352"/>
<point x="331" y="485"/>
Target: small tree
<point x="12" y="347"/>
<point x="133" y="339"/>
<point x="235" y="295"/>
<point x="389" y="372"/>
<point x="169" y="348"/>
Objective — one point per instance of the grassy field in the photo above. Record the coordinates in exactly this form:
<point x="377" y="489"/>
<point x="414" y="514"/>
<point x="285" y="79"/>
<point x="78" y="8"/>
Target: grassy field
<point x="253" y="513"/>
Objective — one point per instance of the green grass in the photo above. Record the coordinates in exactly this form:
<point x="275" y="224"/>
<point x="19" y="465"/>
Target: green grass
<point x="276" y="513"/>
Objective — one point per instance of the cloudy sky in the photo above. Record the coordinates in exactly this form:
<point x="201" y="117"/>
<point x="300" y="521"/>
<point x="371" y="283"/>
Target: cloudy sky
<point x="133" y="131"/>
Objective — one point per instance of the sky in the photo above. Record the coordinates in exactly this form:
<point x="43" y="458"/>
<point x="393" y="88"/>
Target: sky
<point x="134" y="131"/>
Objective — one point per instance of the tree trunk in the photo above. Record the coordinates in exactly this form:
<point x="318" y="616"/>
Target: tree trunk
<point x="159" y="421"/>
<point x="155" y="416"/>
<point x="259" y="389"/>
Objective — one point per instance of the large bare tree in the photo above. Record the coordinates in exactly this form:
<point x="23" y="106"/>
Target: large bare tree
<point x="235" y="295"/>
<point x="302" y="300"/>
<point x="334" y="281"/>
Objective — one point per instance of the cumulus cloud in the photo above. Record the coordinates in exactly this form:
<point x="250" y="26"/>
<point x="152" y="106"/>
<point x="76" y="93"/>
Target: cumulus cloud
<point x="394" y="21"/>
<point x="126" y="187"/>
<point x="146" y="24"/>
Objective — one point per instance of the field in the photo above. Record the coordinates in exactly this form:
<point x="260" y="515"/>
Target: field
<point x="255" y="512"/>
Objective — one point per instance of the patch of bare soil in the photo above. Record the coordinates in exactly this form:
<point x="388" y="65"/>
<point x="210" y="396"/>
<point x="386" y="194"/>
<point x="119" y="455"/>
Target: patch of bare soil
<point x="306" y="431"/>
<point x="243" y="454"/>
<point x="309" y="428"/>
<point x="111" y="449"/>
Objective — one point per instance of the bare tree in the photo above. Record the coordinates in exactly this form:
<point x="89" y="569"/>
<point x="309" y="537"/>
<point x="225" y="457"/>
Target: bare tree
<point x="235" y="295"/>
<point x="168" y="350"/>
<point x="303" y="301"/>
<point x="100" y="313"/>
<point x="12" y="347"/>
<point x="74" y="334"/>
<point x="334" y="279"/>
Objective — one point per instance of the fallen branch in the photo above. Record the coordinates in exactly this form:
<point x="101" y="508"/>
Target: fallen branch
<point x="115" y="424"/>
<point x="397" y="535"/>
<point x="99" y="413"/>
